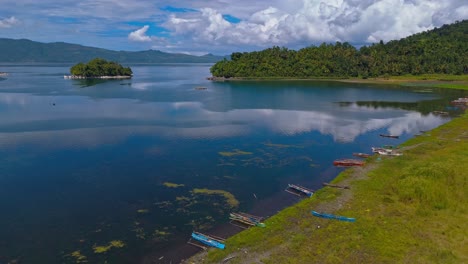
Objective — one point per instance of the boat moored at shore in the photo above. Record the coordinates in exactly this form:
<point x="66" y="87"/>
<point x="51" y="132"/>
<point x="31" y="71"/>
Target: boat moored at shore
<point x="208" y="240"/>
<point x="348" y="162"/>
<point x="299" y="190"/>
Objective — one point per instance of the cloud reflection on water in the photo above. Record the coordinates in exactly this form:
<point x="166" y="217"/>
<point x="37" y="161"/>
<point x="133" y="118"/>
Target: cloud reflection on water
<point x="82" y="122"/>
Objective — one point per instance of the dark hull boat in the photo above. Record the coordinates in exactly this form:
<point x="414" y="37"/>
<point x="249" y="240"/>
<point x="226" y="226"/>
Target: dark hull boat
<point x="348" y="162"/>
<point x="389" y="136"/>
<point x="247" y="219"/>
<point x="297" y="189"/>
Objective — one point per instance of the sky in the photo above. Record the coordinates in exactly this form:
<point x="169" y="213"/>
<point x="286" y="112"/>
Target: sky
<point x="222" y="26"/>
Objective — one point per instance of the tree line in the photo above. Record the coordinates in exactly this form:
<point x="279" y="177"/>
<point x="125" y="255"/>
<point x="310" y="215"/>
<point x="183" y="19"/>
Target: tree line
<point x="442" y="50"/>
<point x="100" y="67"/>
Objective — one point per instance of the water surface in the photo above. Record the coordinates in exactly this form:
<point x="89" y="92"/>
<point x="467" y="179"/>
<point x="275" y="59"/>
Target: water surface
<point x="85" y="163"/>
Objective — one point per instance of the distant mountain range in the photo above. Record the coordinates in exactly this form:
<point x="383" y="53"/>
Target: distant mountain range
<point x="24" y="50"/>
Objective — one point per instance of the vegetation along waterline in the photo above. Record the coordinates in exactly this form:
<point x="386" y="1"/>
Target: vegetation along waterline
<point x="408" y="209"/>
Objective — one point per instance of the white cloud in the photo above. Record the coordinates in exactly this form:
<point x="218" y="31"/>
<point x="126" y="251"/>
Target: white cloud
<point x="313" y="21"/>
<point x="295" y="23"/>
<point x="139" y="35"/>
<point x="8" y="22"/>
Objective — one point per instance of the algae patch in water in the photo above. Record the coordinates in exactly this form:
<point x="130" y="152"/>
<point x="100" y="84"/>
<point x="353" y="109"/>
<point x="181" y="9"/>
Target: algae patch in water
<point x="173" y="185"/>
<point x="231" y="200"/>
<point x="235" y="152"/>
<point x="142" y="211"/>
<point x="79" y="258"/>
<point x="281" y="145"/>
<point x="112" y="244"/>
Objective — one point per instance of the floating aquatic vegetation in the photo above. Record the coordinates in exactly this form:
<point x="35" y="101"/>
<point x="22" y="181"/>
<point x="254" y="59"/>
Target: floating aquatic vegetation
<point x="117" y="243"/>
<point x="139" y="231"/>
<point x="231" y="200"/>
<point x="281" y="145"/>
<point x="78" y="257"/>
<point x="142" y="211"/>
<point x="163" y="204"/>
<point x="101" y="249"/>
<point x="222" y="163"/>
<point x="235" y="152"/>
<point x="229" y="177"/>
<point x="173" y="185"/>
<point x="159" y="235"/>
<point x="182" y="199"/>
<point x="112" y="244"/>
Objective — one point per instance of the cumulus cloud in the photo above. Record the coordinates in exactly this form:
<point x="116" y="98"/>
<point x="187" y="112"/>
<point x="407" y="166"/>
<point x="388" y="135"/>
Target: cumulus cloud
<point x="315" y="21"/>
<point x="263" y="23"/>
<point x="139" y="35"/>
<point x="8" y="22"/>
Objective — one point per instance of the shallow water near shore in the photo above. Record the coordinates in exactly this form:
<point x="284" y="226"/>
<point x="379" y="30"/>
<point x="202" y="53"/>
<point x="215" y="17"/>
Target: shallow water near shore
<point x="123" y="170"/>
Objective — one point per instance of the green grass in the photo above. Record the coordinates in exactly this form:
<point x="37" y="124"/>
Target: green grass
<point x="453" y="86"/>
<point x="409" y="209"/>
<point x="436" y="77"/>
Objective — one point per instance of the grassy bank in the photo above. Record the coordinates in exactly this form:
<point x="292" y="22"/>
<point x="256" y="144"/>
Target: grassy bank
<point x="409" y="209"/>
<point x="426" y="80"/>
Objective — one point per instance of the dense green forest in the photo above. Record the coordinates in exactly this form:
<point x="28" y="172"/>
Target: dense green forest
<point x="100" y="67"/>
<point x="442" y="50"/>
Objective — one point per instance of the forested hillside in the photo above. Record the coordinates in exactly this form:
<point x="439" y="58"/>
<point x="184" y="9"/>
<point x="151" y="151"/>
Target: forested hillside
<point x="23" y="50"/>
<point x="442" y="50"/>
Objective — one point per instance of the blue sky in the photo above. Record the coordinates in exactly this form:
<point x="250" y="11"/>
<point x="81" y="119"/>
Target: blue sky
<point x="222" y="26"/>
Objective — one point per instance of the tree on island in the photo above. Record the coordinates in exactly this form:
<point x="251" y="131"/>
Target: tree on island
<point x="99" y="67"/>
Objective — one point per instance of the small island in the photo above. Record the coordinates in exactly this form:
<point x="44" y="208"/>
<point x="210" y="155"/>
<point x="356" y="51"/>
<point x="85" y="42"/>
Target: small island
<point x="99" y="69"/>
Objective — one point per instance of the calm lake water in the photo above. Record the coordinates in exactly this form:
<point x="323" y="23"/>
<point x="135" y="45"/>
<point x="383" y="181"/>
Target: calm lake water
<point x="85" y="163"/>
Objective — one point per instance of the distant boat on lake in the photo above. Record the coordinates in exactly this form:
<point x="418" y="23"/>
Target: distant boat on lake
<point x="389" y="136"/>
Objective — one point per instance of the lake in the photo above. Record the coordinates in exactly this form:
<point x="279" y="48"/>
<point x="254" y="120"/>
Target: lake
<point x="123" y="170"/>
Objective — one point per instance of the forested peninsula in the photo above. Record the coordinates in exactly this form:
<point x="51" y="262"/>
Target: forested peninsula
<point x="100" y="68"/>
<point x="442" y="50"/>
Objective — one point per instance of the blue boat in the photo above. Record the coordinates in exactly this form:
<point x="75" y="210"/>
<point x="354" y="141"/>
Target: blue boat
<point x="330" y="216"/>
<point x="207" y="240"/>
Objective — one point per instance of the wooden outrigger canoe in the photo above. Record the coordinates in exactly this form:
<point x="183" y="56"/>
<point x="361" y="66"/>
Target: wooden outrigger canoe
<point x="361" y="155"/>
<point x="348" y="162"/>
<point x="300" y="189"/>
<point x="247" y="219"/>
<point x="208" y="240"/>
<point x="377" y="150"/>
<point x="330" y="216"/>
<point x="388" y="153"/>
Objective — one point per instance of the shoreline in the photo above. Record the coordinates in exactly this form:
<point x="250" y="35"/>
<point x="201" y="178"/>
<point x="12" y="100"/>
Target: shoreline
<point x="294" y="227"/>
<point x="428" y="81"/>
<point x="78" y="77"/>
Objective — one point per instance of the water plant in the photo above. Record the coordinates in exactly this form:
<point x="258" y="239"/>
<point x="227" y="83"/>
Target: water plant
<point x="79" y="257"/>
<point x="173" y="185"/>
<point x="230" y="198"/>
<point x="235" y="152"/>
<point x="106" y="248"/>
